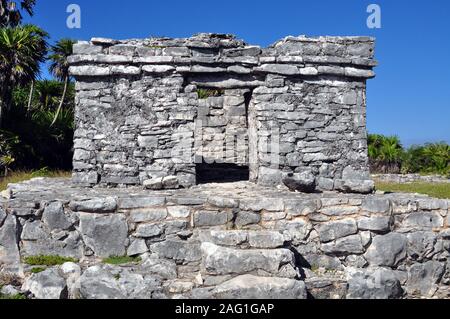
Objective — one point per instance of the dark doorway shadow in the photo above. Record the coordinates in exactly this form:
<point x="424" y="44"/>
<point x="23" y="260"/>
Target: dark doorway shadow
<point x="221" y="173"/>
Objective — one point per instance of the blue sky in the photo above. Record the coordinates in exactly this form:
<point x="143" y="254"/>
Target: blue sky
<point x="410" y="97"/>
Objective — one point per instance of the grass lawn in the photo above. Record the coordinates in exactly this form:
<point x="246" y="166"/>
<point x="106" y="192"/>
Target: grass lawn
<point x="20" y="176"/>
<point x="438" y="190"/>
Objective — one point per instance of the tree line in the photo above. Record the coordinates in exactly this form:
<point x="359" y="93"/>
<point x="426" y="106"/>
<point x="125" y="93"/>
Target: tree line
<point x="387" y="155"/>
<point x="36" y="115"/>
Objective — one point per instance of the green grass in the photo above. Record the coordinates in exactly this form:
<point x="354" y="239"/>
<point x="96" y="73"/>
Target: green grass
<point x="119" y="260"/>
<point x="437" y="190"/>
<point x="49" y="260"/>
<point x="20" y="176"/>
<point x="12" y="297"/>
<point x="36" y="270"/>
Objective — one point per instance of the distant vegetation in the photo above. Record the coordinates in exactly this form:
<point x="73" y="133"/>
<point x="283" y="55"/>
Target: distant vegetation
<point x="36" y="116"/>
<point x="387" y="155"/>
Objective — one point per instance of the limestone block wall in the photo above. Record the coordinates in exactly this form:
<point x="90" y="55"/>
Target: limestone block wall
<point x="236" y="241"/>
<point x="299" y="105"/>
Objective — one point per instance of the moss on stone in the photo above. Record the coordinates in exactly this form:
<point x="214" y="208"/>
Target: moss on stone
<point x="47" y="260"/>
<point x="119" y="260"/>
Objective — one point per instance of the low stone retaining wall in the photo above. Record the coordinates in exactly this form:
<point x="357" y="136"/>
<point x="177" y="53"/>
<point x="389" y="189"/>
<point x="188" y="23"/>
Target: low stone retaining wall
<point x="410" y="178"/>
<point x="225" y="241"/>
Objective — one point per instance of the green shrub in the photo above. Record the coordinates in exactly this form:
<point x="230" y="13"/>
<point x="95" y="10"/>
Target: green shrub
<point x="386" y="155"/>
<point x="47" y="260"/>
<point x="118" y="260"/>
<point x="12" y="297"/>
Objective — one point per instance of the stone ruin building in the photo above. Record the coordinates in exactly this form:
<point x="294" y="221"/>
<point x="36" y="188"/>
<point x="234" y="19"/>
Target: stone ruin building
<point x="171" y="113"/>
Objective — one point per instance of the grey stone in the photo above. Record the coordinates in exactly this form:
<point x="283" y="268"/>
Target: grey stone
<point x="244" y="218"/>
<point x="303" y="182"/>
<point x="337" y="229"/>
<point x="373" y="283"/>
<point x="221" y="261"/>
<point x="322" y="261"/>
<point x="354" y="186"/>
<point x="55" y="218"/>
<point x="86" y="48"/>
<point x="283" y="69"/>
<point x="141" y="202"/>
<point x="72" y="273"/>
<point x="225" y="237"/>
<point x="9" y="290"/>
<point x="179" y="211"/>
<point x="98" y="283"/>
<point x="154" y="183"/>
<point x="180" y="251"/>
<point x="148" y="215"/>
<point x="269" y="176"/>
<point x="253" y="287"/>
<point x="265" y="239"/>
<point x="106" y="235"/>
<point x="359" y="73"/>
<point x="324" y="288"/>
<point x="157" y="68"/>
<point x="223" y="202"/>
<point x="302" y="207"/>
<point x="269" y="204"/>
<point x="87" y="70"/>
<point x="423" y="220"/>
<point x="210" y="218"/>
<point x="149" y="230"/>
<point x="47" y="284"/>
<point x="164" y="268"/>
<point x="9" y="250"/>
<point x="376" y="205"/>
<point x="34" y="230"/>
<point x="421" y="245"/>
<point x="387" y="250"/>
<point x="375" y="223"/>
<point x="94" y="205"/>
<point x="423" y="278"/>
<point x="137" y="247"/>
<point x="2" y="216"/>
<point x="344" y="246"/>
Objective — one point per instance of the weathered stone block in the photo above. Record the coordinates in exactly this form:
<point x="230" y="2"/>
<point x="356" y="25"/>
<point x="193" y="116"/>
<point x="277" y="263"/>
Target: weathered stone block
<point x="387" y="250"/>
<point x="337" y="229"/>
<point x="106" y="235"/>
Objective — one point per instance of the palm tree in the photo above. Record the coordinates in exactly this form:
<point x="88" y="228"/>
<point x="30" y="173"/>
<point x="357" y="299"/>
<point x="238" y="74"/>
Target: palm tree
<point x="48" y="93"/>
<point x="59" y="66"/>
<point x="22" y="49"/>
<point x="10" y="15"/>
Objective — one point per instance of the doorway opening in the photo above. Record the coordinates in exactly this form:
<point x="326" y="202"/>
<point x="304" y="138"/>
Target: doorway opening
<point x="221" y="173"/>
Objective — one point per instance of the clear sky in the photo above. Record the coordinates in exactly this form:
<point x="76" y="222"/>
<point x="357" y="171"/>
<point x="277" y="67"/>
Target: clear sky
<point x="410" y="97"/>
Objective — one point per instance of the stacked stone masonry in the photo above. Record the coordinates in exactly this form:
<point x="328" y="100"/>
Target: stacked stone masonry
<point x="235" y="240"/>
<point x="148" y="111"/>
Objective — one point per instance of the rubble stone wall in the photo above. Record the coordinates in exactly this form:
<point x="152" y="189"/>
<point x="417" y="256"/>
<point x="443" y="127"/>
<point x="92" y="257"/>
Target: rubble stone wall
<point x="238" y="240"/>
<point x="296" y="106"/>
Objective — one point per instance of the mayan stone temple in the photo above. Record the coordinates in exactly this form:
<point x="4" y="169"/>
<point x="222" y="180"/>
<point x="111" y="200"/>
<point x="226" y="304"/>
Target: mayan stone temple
<point x="208" y="168"/>
<point x="171" y="113"/>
